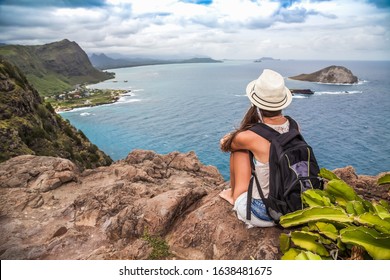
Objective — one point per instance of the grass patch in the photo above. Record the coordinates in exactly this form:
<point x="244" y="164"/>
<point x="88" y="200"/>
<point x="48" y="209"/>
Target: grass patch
<point x="48" y="84"/>
<point x="159" y="245"/>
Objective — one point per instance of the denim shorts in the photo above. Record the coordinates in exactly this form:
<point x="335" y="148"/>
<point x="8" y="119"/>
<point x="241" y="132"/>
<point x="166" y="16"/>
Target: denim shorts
<point x="258" y="209"/>
<point x="259" y="216"/>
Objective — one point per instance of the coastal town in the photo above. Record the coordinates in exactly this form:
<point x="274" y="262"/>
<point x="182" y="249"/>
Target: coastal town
<point x="82" y="96"/>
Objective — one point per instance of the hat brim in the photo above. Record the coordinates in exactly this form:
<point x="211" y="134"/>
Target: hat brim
<point x="268" y="106"/>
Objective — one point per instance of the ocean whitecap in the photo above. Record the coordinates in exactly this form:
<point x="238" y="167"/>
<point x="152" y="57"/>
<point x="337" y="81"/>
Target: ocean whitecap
<point x="338" y="92"/>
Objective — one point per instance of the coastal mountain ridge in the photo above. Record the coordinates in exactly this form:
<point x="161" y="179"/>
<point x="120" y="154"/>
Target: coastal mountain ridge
<point x="54" y="67"/>
<point x="61" y="66"/>
<point x="102" y="61"/>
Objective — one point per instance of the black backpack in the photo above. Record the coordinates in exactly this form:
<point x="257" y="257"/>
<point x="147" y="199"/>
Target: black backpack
<point x="293" y="169"/>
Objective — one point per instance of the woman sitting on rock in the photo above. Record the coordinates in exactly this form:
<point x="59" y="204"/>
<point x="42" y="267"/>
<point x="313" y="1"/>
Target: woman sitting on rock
<point x="268" y="96"/>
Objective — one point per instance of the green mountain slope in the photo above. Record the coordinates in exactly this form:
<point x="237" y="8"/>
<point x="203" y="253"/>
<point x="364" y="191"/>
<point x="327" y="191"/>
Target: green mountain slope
<point x="28" y="126"/>
<point x="54" y="67"/>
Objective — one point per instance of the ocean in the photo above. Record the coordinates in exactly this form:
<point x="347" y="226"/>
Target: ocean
<point x="189" y="107"/>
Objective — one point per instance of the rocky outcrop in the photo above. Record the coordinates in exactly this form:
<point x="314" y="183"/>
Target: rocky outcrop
<point x="330" y="75"/>
<point x="51" y="210"/>
<point x="145" y="206"/>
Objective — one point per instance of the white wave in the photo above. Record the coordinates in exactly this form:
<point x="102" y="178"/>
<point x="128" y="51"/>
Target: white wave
<point x="75" y="109"/>
<point x="338" y="92"/>
<point x="300" y="96"/>
<point x="338" y="84"/>
<point x="126" y="100"/>
<point x="360" y="82"/>
<point x="239" y="95"/>
<point x="85" y="114"/>
<point x="138" y="89"/>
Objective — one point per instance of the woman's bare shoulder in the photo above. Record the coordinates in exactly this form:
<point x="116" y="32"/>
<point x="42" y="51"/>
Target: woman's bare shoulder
<point x="247" y="140"/>
<point x="245" y="135"/>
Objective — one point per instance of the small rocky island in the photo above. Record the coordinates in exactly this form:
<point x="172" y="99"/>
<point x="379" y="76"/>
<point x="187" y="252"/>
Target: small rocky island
<point x="330" y="75"/>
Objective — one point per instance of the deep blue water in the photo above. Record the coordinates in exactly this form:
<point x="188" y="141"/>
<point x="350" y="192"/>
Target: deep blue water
<point x="184" y="107"/>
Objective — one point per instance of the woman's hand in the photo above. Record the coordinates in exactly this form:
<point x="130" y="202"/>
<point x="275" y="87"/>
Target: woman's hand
<point x="225" y="138"/>
<point x="223" y="142"/>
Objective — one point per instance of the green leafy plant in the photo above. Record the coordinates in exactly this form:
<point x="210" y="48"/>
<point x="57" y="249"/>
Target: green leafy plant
<point x="337" y="224"/>
<point x="160" y="249"/>
<point x="385" y="179"/>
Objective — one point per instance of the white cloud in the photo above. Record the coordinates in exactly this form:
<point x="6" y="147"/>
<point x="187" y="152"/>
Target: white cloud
<point x="336" y="29"/>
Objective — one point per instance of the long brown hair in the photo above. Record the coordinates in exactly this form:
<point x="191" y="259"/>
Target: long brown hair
<point x="251" y="117"/>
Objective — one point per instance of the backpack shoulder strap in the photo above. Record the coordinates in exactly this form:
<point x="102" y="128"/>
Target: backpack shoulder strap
<point x="253" y="180"/>
<point x="264" y="131"/>
<point x="292" y="133"/>
<point x="293" y="123"/>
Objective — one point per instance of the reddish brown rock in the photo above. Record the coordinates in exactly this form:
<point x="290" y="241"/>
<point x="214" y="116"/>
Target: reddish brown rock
<point x="49" y="210"/>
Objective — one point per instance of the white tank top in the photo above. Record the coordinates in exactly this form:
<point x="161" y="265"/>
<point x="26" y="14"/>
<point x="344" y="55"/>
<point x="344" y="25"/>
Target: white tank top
<point x="262" y="169"/>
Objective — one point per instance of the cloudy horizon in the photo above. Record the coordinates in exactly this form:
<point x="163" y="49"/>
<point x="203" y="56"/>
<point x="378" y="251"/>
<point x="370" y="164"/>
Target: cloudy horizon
<point x="221" y="29"/>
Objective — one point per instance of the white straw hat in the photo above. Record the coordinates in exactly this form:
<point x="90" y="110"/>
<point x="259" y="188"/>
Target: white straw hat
<point x="268" y="92"/>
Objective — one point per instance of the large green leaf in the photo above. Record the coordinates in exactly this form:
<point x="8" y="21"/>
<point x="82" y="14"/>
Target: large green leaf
<point x="291" y="254"/>
<point x="309" y="241"/>
<point x="368" y="206"/>
<point x="384" y="179"/>
<point x="341" y="191"/>
<point x="314" y="197"/>
<point x="375" y="221"/>
<point x="381" y="211"/>
<point x="327" y="229"/>
<point x="327" y="174"/>
<point x="307" y="255"/>
<point x="385" y="204"/>
<point x="375" y="243"/>
<point x="359" y="207"/>
<point x="284" y="240"/>
<point x="355" y="207"/>
<point x="325" y="213"/>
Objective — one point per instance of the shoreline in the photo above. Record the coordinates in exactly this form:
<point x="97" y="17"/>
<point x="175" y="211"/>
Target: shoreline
<point x="100" y="97"/>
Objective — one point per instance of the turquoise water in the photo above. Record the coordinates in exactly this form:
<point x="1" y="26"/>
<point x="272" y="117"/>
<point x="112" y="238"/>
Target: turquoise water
<point x="189" y="107"/>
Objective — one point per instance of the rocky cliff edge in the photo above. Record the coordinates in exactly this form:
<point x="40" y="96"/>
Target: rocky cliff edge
<point x="145" y="206"/>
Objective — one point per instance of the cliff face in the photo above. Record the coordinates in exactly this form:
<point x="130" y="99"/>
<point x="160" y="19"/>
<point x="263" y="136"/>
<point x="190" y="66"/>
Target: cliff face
<point x="68" y="59"/>
<point x="53" y="67"/>
<point x="28" y="126"/>
<point x="332" y="74"/>
<point x="146" y="206"/>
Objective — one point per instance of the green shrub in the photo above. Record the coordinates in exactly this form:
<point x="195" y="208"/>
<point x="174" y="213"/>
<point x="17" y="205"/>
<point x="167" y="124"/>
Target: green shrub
<point x="92" y="148"/>
<point x="81" y="133"/>
<point x="42" y="111"/>
<point x="68" y="131"/>
<point x="50" y="108"/>
<point x="94" y="158"/>
<point x="336" y="224"/>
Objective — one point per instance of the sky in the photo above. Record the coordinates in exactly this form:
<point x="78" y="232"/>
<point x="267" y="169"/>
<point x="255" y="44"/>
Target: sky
<point x="220" y="29"/>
